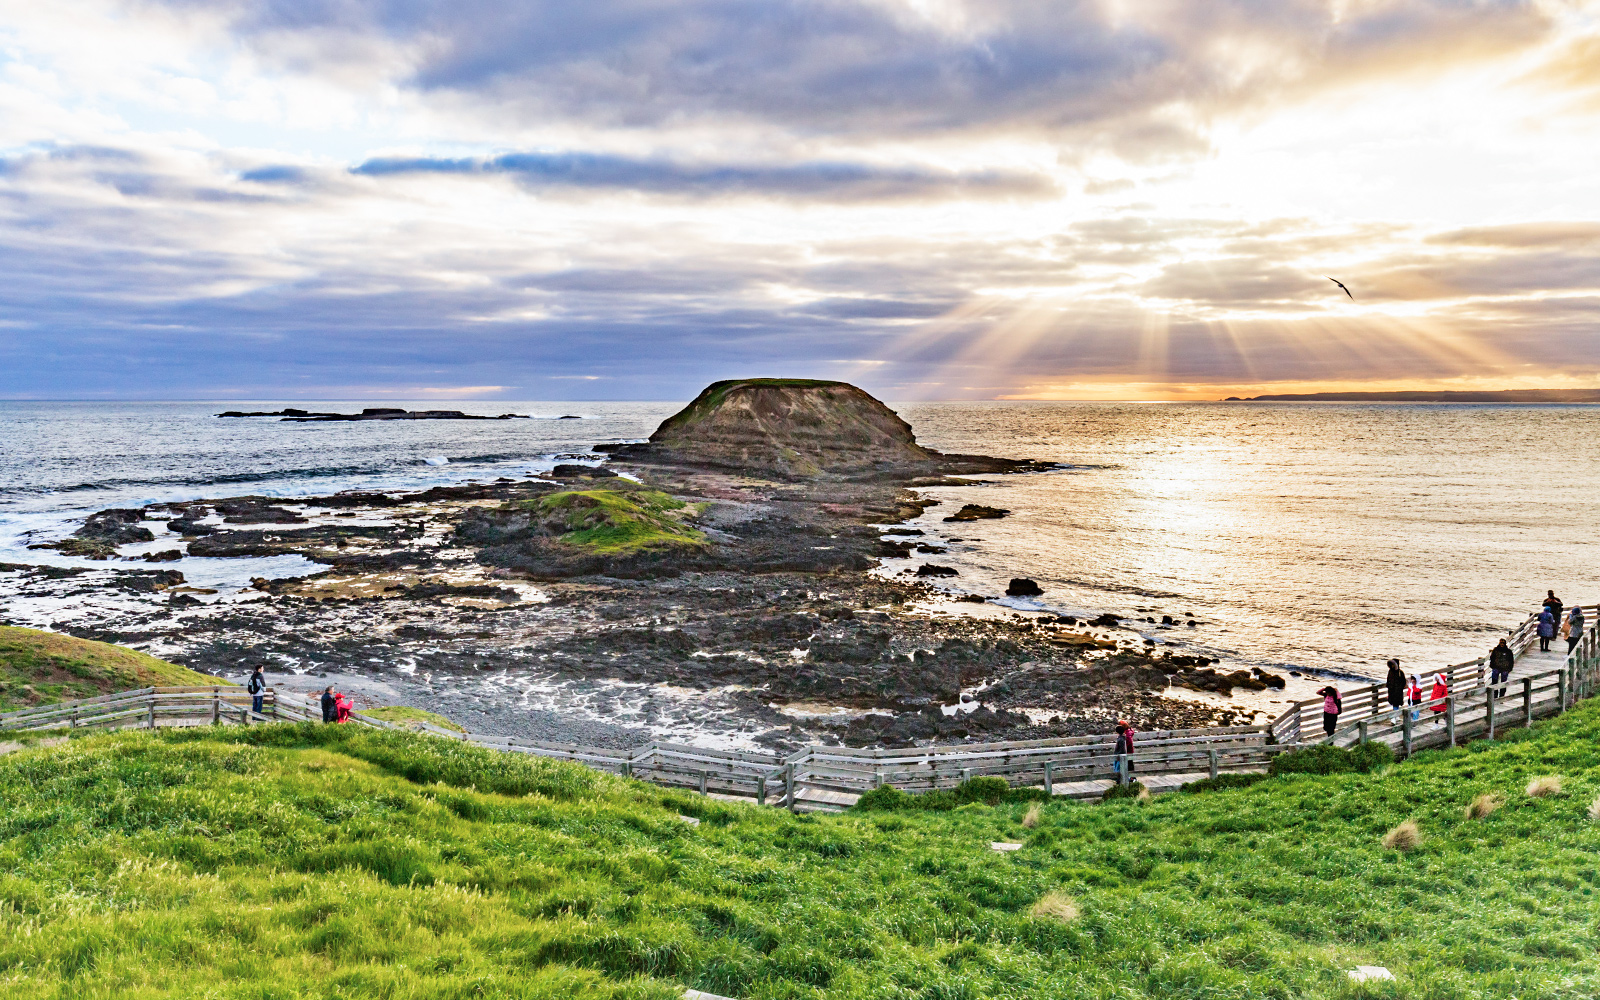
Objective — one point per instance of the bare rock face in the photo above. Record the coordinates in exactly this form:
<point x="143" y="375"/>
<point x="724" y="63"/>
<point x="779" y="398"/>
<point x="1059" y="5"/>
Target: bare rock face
<point x="789" y="427"/>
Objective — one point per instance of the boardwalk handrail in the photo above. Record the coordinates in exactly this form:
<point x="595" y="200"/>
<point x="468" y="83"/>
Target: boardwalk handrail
<point x="818" y="775"/>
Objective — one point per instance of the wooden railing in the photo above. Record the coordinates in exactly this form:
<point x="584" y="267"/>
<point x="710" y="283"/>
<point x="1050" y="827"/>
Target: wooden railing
<point x="831" y="777"/>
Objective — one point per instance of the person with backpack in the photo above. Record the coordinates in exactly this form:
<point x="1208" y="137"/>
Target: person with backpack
<point x="1574" y="627"/>
<point x="1501" y="660"/>
<point x="1395" y="685"/>
<point x="1332" y="705"/>
<point x="1124" y="748"/>
<point x="257" y="686"/>
<point x="1547" y="629"/>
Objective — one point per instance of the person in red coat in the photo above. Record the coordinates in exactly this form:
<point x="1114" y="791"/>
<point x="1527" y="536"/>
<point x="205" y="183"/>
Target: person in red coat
<point x="1440" y="691"/>
<point x="342" y="707"/>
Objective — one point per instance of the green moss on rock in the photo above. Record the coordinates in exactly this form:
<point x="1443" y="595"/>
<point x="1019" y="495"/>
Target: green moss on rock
<point x="617" y="521"/>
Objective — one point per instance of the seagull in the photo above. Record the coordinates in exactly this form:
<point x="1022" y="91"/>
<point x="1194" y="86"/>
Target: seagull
<point x="1336" y="281"/>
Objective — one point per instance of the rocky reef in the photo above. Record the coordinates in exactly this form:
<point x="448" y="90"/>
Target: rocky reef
<point x="722" y="584"/>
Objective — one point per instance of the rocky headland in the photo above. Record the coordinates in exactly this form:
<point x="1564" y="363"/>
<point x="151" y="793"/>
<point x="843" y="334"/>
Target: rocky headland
<point x="727" y="583"/>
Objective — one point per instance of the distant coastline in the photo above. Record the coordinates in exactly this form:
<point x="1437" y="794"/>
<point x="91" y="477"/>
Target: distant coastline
<point x="1493" y="396"/>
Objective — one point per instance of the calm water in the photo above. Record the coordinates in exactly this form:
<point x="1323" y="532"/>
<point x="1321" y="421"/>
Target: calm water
<point x="1323" y="536"/>
<point x="1330" y="536"/>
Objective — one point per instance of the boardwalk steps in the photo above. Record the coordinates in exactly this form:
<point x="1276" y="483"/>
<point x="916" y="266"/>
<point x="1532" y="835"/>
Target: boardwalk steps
<point x="832" y="778"/>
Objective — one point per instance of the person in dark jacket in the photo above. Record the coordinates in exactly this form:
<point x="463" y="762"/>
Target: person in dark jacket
<point x="1332" y="705"/>
<point x="1574" y="627"/>
<point x="258" y="684"/>
<point x="1124" y="745"/>
<point x="1547" y="630"/>
<point x="330" y="705"/>
<point x="1501" y="660"/>
<point x="1396" y="685"/>
<point x="1552" y="604"/>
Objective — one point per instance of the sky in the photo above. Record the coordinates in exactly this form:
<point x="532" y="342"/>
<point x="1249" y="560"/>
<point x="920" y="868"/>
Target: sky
<point x="934" y="199"/>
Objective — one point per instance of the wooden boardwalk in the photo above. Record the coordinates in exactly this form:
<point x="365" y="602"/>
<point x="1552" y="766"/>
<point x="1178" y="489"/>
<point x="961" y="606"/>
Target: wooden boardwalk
<point x="832" y="778"/>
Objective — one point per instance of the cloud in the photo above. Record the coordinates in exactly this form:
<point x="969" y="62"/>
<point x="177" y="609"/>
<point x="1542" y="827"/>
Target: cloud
<point x="837" y="181"/>
<point x="870" y="69"/>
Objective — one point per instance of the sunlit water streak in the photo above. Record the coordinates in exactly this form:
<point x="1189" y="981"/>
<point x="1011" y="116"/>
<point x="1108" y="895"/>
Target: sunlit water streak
<point x="1328" y="536"/>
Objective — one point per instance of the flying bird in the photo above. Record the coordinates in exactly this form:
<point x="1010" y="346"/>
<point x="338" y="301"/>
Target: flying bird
<point x="1336" y="281"/>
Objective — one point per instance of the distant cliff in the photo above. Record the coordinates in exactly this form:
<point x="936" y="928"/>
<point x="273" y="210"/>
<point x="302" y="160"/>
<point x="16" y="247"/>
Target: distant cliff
<point x="1494" y="396"/>
<point x="789" y="427"/>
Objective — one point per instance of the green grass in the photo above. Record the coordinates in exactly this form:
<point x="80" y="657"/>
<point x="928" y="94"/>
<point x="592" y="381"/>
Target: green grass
<point x="38" y="668"/>
<point x="405" y="713"/>
<point x="614" y="522"/>
<point x="312" y="861"/>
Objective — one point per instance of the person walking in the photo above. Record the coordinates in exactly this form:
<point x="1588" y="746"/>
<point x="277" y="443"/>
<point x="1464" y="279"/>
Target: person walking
<point x="1501" y="660"/>
<point x="1332" y="705"/>
<point x="1414" y="697"/>
<point x="1547" y="629"/>
<point x="1395" y="684"/>
<point x="330" y="705"/>
<point x="256" y="687"/>
<point x="1124" y="749"/>
<point x="1574" y="626"/>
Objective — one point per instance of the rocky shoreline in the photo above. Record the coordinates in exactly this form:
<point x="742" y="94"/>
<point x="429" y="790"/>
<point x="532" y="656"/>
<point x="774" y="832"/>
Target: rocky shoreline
<point x="725" y="582"/>
<point x="775" y="633"/>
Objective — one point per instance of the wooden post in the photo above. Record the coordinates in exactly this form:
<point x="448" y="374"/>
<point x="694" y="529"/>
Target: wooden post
<point x="1561" y="691"/>
<point x="1406" y="733"/>
<point x="1122" y="769"/>
<point x="244" y="716"/>
<point x="1211" y="756"/>
<point x="627" y="769"/>
<point x="1049" y="778"/>
<point x="216" y="707"/>
<point x="1527" y="702"/>
<point x="1361" y="731"/>
<point x="966" y="774"/>
<point x="702" y="782"/>
<point x="1489" y="702"/>
<point x="152" y="711"/>
<point x="1450" y="718"/>
<point x="761" y="791"/>
<point x="788" y="787"/>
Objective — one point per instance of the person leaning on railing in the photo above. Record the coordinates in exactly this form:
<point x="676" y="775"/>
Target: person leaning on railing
<point x="1332" y="705"/>
<point x="1574" y="627"/>
<point x="1501" y="660"/>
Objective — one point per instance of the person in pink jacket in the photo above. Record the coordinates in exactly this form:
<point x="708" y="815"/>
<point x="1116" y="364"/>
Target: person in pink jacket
<point x="1332" y="705"/>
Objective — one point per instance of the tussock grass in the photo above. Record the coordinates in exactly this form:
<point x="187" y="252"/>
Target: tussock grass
<point x="1055" y="905"/>
<point x="1547" y="785"/>
<point x="319" y="861"/>
<point x="619" y="521"/>
<point x="1484" y="805"/>
<point x="1403" y="837"/>
<point x="1030" y="819"/>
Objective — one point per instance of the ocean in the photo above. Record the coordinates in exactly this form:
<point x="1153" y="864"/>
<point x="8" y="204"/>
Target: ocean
<point x="1322" y="537"/>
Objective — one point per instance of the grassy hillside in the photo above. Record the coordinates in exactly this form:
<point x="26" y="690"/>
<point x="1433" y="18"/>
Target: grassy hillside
<point x="405" y="713"/>
<point x="278" y="862"/>
<point x="37" y="668"/>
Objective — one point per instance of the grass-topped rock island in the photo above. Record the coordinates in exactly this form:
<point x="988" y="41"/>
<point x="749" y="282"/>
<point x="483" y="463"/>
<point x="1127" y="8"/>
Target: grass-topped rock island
<point x="722" y="581"/>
